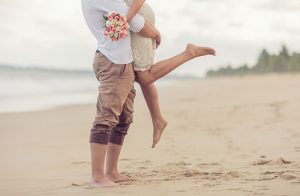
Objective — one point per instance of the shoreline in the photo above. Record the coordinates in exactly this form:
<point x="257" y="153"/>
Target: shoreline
<point x="90" y="96"/>
<point x="46" y="102"/>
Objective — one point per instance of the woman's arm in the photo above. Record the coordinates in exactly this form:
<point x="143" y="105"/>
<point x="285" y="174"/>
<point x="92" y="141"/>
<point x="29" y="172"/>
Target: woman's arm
<point x="150" y="31"/>
<point x="134" y="8"/>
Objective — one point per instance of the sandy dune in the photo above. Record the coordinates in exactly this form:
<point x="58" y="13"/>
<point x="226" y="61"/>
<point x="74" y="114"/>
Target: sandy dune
<point x="229" y="136"/>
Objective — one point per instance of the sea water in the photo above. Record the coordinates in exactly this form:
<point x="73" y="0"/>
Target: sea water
<point x="31" y="89"/>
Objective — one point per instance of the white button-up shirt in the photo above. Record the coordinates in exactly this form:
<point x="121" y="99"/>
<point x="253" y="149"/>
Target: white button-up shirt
<point x="119" y="52"/>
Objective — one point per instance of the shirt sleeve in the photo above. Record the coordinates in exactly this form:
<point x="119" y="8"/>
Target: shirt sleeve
<point x="137" y="23"/>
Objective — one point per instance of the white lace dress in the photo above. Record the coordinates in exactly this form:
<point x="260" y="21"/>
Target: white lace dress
<point x="143" y="48"/>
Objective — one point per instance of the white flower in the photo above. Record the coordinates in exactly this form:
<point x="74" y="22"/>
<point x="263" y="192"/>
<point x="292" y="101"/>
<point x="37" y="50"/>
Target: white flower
<point x="120" y="23"/>
<point x="108" y="23"/>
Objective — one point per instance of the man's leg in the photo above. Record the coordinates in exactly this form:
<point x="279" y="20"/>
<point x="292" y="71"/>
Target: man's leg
<point x="116" y="140"/>
<point x="98" y="152"/>
<point x="110" y="103"/>
<point x="98" y="143"/>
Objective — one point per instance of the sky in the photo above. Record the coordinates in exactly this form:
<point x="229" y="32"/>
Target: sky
<point x="53" y="34"/>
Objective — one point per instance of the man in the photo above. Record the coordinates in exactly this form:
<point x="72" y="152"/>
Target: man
<point x="113" y="68"/>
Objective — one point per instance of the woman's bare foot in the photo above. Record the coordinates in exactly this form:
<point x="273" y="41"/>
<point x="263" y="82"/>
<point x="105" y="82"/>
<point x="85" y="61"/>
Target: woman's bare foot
<point x="117" y="177"/>
<point x="105" y="182"/>
<point x="159" y="127"/>
<point x="196" y="51"/>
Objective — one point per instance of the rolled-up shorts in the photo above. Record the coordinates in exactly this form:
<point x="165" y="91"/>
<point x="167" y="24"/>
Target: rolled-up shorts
<point x="115" y="98"/>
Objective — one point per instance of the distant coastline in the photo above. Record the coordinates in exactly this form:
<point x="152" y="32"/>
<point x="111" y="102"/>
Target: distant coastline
<point x="5" y="67"/>
<point x="266" y="63"/>
<point x="41" y="70"/>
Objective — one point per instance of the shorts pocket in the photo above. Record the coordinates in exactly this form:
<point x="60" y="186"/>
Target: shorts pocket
<point x="125" y="71"/>
<point x="102" y="67"/>
<point x="122" y="70"/>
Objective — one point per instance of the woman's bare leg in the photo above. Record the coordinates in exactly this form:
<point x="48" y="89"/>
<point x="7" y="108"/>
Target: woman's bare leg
<point x="158" y="70"/>
<point x="159" y="123"/>
<point x="162" y="68"/>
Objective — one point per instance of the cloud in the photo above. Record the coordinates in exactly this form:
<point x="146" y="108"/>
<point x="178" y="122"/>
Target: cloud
<point x="54" y="34"/>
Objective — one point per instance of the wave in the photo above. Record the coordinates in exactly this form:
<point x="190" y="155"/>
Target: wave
<point x="58" y="72"/>
<point x="35" y="68"/>
<point x="8" y="69"/>
<point x="26" y="88"/>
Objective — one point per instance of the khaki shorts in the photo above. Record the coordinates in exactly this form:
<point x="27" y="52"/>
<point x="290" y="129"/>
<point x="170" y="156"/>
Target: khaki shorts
<point x="115" y="98"/>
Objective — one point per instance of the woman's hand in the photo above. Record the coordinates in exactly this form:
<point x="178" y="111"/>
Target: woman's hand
<point x="150" y="31"/>
<point x="158" y="39"/>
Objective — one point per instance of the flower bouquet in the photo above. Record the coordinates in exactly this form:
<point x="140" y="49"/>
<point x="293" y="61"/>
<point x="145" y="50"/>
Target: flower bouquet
<point x="116" y="26"/>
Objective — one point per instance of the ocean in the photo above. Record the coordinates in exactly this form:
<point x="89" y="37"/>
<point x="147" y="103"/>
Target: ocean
<point x="31" y="89"/>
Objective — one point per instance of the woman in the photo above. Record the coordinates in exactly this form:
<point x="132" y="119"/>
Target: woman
<point x="148" y="72"/>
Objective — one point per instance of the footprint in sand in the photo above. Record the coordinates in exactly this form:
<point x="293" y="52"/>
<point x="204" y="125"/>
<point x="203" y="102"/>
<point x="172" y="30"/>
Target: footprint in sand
<point x="234" y="174"/>
<point x="270" y="175"/>
<point x="181" y="191"/>
<point x="142" y="168"/>
<point x="279" y="161"/>
<point x="277" y="107"/>
<point x="207" y="164"/>
<point x="124" y="159"/>
<point x="86" y="185"/>
<point x="80" y="162"/>
<point x="261" y="162"/>
<point x="147" y="162"/>
<point x="288" y="177"/>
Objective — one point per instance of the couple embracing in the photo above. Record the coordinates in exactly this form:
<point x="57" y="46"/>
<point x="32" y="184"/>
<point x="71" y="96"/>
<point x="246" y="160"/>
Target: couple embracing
<point x="117" y="66"/>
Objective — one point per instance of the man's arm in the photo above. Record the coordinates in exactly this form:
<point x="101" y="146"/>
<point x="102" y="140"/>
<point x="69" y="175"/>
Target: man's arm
<point x="150" y="31"/>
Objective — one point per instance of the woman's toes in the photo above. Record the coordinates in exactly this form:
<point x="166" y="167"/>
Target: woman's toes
<point x="196" y="51"/>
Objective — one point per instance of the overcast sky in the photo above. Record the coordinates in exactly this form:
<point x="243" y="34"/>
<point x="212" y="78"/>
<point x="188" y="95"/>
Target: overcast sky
<point x="52" y="33"/>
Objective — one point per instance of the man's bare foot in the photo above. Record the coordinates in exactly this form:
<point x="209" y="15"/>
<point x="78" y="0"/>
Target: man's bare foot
<point x="196" y="51"/>
<point x="105" y="182"/>
<point x="159" y="127"/>
<point x="117" y="177"/>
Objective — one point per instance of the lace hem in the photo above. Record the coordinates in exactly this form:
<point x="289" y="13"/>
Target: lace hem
<point x="144" y="68"/>
<point x="143" y="58"/>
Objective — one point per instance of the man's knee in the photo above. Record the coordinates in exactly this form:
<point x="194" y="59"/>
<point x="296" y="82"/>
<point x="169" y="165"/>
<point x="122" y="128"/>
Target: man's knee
<point x="118" y="134"/>
<point x="100" y="134"/>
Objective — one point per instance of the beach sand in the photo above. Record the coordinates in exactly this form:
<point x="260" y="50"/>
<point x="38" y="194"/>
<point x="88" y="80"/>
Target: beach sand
<point x="226" y="136"/>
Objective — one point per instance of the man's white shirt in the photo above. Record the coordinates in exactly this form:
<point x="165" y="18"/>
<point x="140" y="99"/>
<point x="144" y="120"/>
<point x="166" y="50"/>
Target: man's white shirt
<point x="119" y="52"/>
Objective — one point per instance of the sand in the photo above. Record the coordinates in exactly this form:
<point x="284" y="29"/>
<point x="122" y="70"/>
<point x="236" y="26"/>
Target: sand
<point x="226" y="136"/>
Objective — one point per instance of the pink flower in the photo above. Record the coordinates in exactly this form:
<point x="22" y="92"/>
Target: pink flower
<point x="116" y="26"/>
